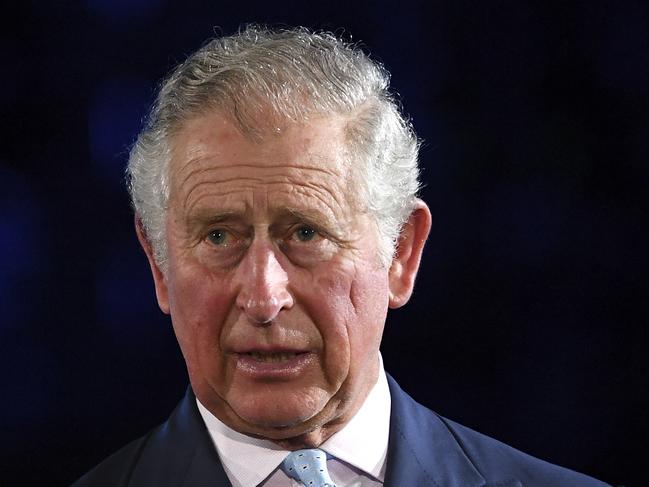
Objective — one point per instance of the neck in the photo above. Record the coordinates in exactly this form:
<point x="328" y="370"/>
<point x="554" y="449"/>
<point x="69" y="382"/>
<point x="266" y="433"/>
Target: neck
<point x="311" y="439"/>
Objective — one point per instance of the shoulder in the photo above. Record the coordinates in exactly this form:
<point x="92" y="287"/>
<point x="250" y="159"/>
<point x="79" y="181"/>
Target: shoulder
<point x="443" y="449"/>
<point x="494" y="458"/>
<point x="117" y="469"/>
<point x="178" y="452"/>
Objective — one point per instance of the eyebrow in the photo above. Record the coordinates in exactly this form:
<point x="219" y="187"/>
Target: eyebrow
<point x="203" y="217"/>
<point x="308" y="216"/>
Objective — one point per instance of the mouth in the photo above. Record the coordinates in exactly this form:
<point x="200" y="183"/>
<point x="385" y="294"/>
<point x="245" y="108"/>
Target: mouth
<point x="273" y="364"/>
<point x="273" y="357"/>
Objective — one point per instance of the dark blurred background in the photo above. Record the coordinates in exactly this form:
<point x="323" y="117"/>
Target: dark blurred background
<point x="529" y="322"/>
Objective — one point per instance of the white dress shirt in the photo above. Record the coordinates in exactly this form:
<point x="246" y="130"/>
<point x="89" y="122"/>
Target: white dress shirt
<point x="359" y="449"/>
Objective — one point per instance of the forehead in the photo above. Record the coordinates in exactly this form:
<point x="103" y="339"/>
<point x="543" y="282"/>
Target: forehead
<point x="214" y="164"/>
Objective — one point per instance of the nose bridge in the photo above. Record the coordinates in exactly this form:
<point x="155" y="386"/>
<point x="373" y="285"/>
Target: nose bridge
<point x="263" y="283"/>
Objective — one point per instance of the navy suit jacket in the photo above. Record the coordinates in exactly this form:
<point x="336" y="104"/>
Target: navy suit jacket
<point x="424" y="450"/>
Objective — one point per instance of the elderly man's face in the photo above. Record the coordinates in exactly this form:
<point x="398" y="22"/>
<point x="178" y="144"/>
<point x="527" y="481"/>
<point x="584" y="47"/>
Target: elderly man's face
<point x="274" y="284"/>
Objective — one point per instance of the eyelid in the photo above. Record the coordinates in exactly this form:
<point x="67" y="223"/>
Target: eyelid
<point x="292" y="229"/>
<point x="233" y="237"/>
<point x="316" y="235"/>
<point x="324" y="233"/>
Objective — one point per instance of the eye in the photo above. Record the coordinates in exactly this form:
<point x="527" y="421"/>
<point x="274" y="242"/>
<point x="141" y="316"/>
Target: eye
<point x="305" y="234"/>
<point x="218" y="237"/>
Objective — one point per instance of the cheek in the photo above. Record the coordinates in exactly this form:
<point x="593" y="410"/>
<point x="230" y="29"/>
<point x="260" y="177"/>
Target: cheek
<point x="370" y="291"/>
<point x="332" y="301"/>
<point x="199" y="305"/>
<point x="348" y="305"/>
<point x="369" y="295"/>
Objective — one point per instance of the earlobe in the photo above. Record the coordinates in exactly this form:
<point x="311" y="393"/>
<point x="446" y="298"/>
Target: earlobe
<point x="159" y="279"/>
<point x="410" y="246"/>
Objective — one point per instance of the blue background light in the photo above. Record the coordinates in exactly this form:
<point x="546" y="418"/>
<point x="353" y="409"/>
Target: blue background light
<point x="115" y="114"/>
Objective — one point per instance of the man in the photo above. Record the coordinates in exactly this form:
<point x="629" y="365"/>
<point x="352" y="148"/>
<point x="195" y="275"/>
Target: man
<point x="274" y="187"/>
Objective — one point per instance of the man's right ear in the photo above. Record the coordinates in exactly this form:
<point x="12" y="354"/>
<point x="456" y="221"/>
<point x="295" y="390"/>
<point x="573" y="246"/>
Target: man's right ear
<point x="158" y="276"/>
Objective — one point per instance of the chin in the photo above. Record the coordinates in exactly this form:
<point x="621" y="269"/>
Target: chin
<point x="286" y="413"/>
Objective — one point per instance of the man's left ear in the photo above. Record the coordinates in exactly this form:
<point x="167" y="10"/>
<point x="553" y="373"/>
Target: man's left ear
<point x="405" y="263"/>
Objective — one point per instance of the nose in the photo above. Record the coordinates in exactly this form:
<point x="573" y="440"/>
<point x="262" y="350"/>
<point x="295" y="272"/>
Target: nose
<point x="263" y="284"/>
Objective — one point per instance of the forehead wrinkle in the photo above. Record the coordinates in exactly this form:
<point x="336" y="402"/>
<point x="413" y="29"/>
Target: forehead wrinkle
<point x="190" y="161"/>
<point x="275" y="205"/>
<point x="217" y="189"/>
<point x="262" y="165"/>
<point x="290" y="178"/>
<point x="191" y="203"/>
<point x="325" y="203"/>
<point x="257" y="166"/>
<point x="220" y="183"/>
<point x="217" y="194"/>
<point x="249" y="183"/>
<point x="197" y="172"/>
<point x="321" y="191"/>
<point x="250" y="189"/>
<point x="277" y="212"/>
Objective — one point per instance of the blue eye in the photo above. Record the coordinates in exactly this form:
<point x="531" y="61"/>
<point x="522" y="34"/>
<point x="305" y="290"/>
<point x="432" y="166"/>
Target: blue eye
<point x="305" y="234"/>
<point x="218" y="237"/>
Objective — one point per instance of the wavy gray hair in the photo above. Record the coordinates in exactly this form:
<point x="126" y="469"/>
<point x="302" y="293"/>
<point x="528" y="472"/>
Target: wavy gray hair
<point x="291" y="74"/>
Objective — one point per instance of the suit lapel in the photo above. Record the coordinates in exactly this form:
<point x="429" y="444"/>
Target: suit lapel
<point x="205" y="470"/>
<point x="422" y="451"/>
<point x="180" y="453"/>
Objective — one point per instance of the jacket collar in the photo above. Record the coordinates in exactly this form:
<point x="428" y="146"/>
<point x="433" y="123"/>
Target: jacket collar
<point x="422" y="451"/>
<point x="180" y="452"/>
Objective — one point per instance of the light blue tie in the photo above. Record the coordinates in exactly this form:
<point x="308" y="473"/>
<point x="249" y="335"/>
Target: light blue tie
<point x="308" y="467"/>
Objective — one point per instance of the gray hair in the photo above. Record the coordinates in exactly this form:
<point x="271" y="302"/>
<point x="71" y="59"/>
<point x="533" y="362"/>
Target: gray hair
<point x="291" y="74"/>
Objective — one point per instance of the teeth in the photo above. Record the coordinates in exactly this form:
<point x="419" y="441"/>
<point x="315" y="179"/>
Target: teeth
<point x="272" y="357"/>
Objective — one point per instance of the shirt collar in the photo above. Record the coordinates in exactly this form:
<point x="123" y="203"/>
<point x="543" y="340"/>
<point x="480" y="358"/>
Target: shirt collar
<point x="362" y="442"/>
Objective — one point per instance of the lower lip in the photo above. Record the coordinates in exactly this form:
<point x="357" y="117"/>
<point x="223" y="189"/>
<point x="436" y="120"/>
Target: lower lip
<point x="287" y="369"/>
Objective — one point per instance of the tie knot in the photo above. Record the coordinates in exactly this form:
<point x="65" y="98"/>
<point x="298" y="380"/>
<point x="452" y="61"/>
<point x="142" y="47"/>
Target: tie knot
<point x="308" y="467"/>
